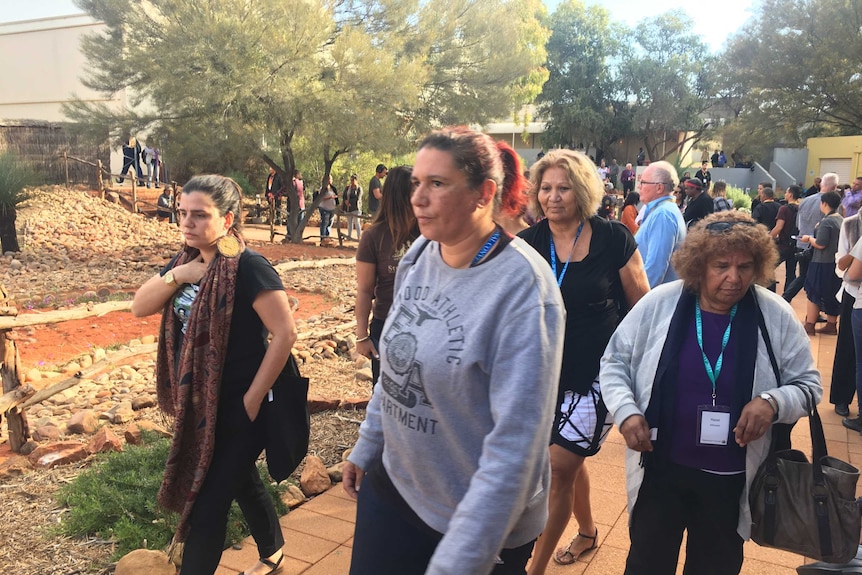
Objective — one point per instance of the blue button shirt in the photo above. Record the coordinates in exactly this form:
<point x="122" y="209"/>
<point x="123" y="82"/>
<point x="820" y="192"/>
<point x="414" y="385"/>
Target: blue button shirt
<point x="661" y="233"/>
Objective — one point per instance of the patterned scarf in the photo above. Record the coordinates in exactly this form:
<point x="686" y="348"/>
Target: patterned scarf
<point x="190" y="393"/>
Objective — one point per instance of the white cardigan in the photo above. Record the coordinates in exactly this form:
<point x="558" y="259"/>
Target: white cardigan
<point x="630" y="361"/>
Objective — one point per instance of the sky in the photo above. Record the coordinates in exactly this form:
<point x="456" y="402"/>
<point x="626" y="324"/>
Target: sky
<point x="714" y="25"/>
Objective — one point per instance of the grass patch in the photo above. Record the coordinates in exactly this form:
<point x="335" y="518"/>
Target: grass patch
<point x="116" y="500"/>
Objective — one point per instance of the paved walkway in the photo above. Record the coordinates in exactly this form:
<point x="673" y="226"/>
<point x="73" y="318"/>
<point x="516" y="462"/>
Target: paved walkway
<point x="320" y="533"/>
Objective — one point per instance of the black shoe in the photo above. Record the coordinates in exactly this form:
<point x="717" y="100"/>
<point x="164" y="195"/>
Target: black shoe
<point x="820" y="319"/>
<point x="855" y="424"/>
<point x="842" y="409"/>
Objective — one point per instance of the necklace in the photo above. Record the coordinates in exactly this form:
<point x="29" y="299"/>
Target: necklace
<point x="568" y="259"/>
<point x="486" y="248"/>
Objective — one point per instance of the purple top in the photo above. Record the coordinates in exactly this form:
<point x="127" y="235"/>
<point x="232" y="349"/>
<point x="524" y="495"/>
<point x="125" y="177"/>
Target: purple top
<point x="693" y="388"/>
<point x="851" y="202"/>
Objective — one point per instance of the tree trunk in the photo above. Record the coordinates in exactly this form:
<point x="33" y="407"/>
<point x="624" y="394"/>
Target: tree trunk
<point x="8" y="233"/>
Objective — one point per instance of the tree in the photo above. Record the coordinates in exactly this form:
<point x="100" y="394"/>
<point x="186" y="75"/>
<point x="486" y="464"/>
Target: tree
<point x="795" y="68"/>
<point x="667" y="82"/>
<point x="255" y="77"/>
<point x="580" y="99"/>
<point x="14" y="177"/>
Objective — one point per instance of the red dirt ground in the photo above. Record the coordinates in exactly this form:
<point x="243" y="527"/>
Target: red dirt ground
<point x="57" y="344"/>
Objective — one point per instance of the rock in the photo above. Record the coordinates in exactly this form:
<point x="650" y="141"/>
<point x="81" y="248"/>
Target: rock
<point x="105" y="440"/>
<point x="145" y="562"/>
<point x="86" y="361"/>
<point x="293" y="496"/>
<point x="334" y="472"/>
<point x="147" y="339"/>
<point x="29" y="447"/>
<point x="314" y="479"/>
<point x="33" y="374"/>
<point x="143" y="402"/>
<point x="364" y="374"/>
<point x="82" y="422"/>
<point x="147" y="425"/>
<point x="15" y="466"/>
<point x="47" y="433"/>
<point x="355" y="402"/>
<point x="71" y="367"/>
<point x="317" y="404"/>
<point x="54" y="454"/>
<point x="15" y="265"/>
<point x="123" y="413"/>
<point x="132" y="434"/>
<point x="99" y="354"/>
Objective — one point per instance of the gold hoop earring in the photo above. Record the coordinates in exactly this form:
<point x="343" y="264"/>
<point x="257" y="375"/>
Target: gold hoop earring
<point x="228" y="246"/>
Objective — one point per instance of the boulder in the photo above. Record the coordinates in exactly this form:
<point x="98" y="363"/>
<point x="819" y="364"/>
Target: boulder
<point x="293" y="496"/>
<point x="142" y="402"/>
<point x="15" y="466"/>
<point x="316" y="404"/>
<point x="48" y="432"/>
<point x="314" y="479"/>
<point x="364" y="374"/>
<point x="105" y="440"/>
<point x="82" y="422"/>
<point x="335" y="472"/>
<point x="355" y="402"/>
<point x="145" y="562"/>
<point x="54" y="454"/>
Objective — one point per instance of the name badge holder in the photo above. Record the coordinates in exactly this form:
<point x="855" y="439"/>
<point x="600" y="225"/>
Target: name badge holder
<point x="713" y="421"/>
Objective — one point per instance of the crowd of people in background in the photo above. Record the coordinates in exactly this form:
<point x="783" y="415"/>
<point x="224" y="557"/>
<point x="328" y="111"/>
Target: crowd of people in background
<point x="641" y="309"/>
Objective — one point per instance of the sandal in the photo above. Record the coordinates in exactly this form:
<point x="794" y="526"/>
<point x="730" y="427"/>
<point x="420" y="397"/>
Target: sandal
<point x="564" y="555"/>
<point x="273" y="567"/>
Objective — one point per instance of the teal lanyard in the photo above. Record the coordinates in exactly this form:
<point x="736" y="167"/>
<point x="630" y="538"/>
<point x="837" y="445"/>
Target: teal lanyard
<point x="486" y="248"/>
<point x="710" y="372"/>
<point x="554" y="256"/>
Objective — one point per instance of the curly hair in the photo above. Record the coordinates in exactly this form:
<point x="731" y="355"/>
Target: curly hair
<point x="702" y="245"/>
<point x="582" y="175"/>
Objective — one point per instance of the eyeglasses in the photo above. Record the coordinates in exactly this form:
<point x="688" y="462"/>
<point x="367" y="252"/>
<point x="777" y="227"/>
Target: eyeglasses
<point x="655" y="183"/>
<point x="725" y="226"/>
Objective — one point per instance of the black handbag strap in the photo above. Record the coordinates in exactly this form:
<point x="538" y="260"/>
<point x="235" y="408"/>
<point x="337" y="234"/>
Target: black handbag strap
<point x="818" y="444"/>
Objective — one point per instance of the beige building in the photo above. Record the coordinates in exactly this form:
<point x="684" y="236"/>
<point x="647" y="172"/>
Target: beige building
<point x="840" y="154"/>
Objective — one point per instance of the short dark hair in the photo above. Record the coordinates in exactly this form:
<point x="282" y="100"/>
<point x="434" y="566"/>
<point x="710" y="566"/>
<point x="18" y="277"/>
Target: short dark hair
<point x="831" y="199"/>
<point x="380" y="168"/>
<point x="795" y="191"/>
<point x="768" y="192"/>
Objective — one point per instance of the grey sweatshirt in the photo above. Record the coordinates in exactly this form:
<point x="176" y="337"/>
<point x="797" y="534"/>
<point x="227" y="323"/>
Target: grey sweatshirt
<point x="462" y="412"/>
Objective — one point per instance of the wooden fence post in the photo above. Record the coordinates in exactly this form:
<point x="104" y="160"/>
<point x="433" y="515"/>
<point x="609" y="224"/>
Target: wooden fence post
<point x="135" y="195"/>
<point x="99" y="181"/>
<point x="66" y="162"/>
<point x="16" y="419"/>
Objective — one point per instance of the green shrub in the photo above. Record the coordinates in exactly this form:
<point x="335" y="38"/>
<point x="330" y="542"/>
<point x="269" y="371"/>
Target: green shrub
<point x="248" y="189"/>
<point x="116" y="500"/>
<point x="14" y="177"/>
<point x="740" y="199"/>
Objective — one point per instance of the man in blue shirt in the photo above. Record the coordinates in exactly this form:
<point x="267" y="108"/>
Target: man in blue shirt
<point x="662" y="229"/>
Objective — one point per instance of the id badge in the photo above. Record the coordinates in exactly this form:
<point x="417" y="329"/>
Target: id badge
<point x="713" y="425"/>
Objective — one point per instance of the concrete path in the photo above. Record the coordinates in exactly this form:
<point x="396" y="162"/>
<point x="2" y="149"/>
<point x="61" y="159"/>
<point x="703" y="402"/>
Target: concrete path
<point x="319" y="534"/>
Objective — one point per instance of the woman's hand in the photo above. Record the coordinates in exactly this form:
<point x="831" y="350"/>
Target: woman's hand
<point x="636" y="433"/>
<point x="367" y="349"/>
<point x="805" y="239"/>
<point x="755" y="419"/>
<point x="190" y="272"/>
<point x="351" y="477"/>
<point x="252" y="407"/>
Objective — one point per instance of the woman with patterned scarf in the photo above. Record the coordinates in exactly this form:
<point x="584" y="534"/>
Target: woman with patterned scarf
<point x="219" y="301"/>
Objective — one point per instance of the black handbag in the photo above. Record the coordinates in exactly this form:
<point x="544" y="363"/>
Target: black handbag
<point x="288" y="421"/>
<point x="805" y="507"/>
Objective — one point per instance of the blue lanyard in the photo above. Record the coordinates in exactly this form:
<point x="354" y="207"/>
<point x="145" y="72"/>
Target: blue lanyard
<point x="710" y="372"/>
<point x="486" y="248"/>
<point x="568" y="259"/>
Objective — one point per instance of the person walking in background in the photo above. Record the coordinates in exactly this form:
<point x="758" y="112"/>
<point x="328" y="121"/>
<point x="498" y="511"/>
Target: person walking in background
<point x="350" y="205"/>
<point x="699" y="204"/>
<point x="662" y="228"/>
<point x="844" y="365"/>
<point x="326" y="208"/>
<point x="375" y="189"/>
<point x="600" y="274"/>
<point x="766" y="211"/>
<point x="471" y="362"/>
<point x="220" y="302"/>
<point x="131" y="159"/>
<point x="614" y="172"/>
<point x="821" y="283"/>
<point x="299" y="185"/>
<point x="274" y="192"/>
<point x="627" y="177"/>
<point x="630" y="212"/>
<point x="704" y="175"/>
<point x="807" y="218"/>
<point x="720" y="202"/>
<point x="785" y="231"/>
<point x="148" y="156"/>
<point x="381" y="247"/>
<point x="852" y="200"/>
